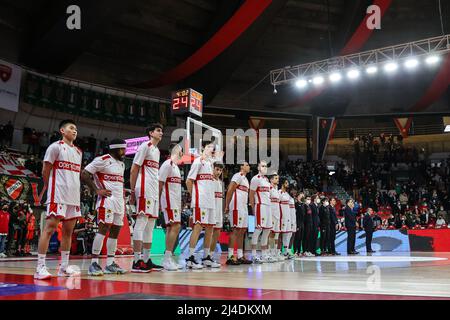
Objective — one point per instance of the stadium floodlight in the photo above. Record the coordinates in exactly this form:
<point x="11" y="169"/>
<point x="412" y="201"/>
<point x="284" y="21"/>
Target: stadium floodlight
<point x="432" y="60"/>
<point x="301" y="83"/>
<point x="372" y="70"/>
<point x="353" y="74"/>
<point x="391" y="67"/>
<point x="411" y="63"/>
<point x="318" y="80"/>
<point x="335" y="77"/>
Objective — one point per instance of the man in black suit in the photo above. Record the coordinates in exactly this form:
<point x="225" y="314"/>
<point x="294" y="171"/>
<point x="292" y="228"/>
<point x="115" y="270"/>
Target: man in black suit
<point x="332" y="230"/>
<point x="300" y="211"/>
<point x="324" y="215"/>
<point x="350" y="225"/>
<point x="316" y="224"/>
<point x="369" y="228"/>
<point x="307" y="235"/>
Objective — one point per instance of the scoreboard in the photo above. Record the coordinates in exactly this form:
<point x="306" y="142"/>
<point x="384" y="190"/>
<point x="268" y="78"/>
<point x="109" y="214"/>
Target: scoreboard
<point x="187" y="101"/>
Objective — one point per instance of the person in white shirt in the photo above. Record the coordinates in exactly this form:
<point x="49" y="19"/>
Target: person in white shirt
<point x="440" y="221"/>
<point x="144" y="186"/>
<point x="61" y="175"/>
<point x="285" y="213"/>
<point x="218" y="210"/>
<point x="236" y="207"/>
<point x="275" y="209"/>
<point x="259" y="200"/>
<point x="170" y="195"/>
<point x="104" y="176"/>
<point x="200" y="185"/>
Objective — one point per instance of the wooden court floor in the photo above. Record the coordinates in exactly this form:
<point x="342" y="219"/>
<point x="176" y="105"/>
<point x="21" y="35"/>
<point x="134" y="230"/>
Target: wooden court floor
<point x="378" y="276"/>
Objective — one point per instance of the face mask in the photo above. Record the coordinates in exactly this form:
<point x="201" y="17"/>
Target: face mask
<point x="308" y="202"/>
<point x="326" y="203"/>
<point x="318" y="201"/>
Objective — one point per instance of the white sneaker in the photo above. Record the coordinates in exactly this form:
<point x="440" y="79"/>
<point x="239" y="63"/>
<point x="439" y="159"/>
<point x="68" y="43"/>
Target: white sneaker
<point x="264" y="259"/>
<point x="257" y="260"/>
<point x="208" y="262"/>
<point x="192" y="264"/>
<point x="281" y="257"/>
<point x="42" y="273"/>
<point x="169" y="264"/>
<point x="69" y="271"/>
<point x="309" y="254"/>
<point x="271" y="259"/>
<point x="2" y="255"/>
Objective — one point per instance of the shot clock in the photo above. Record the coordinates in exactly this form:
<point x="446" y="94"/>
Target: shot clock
<point x="187" y="101"/>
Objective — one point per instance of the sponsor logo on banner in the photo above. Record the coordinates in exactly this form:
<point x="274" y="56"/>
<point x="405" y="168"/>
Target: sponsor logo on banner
<point x="14" y="188"/>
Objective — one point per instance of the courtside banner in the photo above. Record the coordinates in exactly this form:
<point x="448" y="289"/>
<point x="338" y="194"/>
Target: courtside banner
<point x="10" y="77"/>
<point x="16" y="188"/>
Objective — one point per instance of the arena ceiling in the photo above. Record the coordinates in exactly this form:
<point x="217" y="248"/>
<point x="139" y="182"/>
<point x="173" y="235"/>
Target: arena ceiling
<point x="127" y="44"/>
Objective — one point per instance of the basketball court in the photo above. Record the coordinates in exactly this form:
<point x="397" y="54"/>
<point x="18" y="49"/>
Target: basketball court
<point x="380" y="276"/>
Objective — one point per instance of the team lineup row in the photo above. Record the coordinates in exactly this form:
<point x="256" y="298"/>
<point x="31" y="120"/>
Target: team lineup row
<point x="155" y="188"/>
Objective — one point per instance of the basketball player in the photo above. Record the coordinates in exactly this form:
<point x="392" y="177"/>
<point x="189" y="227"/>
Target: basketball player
<point x="285" y="212"/>
<point x="144" y="186"/>
<point x="218" y="170"/>
<point x="170" y="191"/>
<point x="236" y="206"/>
<point x="293" y="227"/>
<point x="61" y="176"/>
<point x="275" y="210"/>
<point x="200" y="185"/>
<point x="104" y="176"/>
<point x="259" y="200"/>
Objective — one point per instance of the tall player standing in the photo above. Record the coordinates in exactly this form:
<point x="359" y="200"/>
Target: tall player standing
<point x="285" y="212"/>
<point x="200" y="185"/>
<point x="104" y="176"/>
<point x="61" y="175"/>
<point x="275" y="209"/>
<point x="218" y="209"/>
<point x="144" y="186"/>
<point x="170" y="191"/>
<point x="236" y="206"/>
<point x="259" y="200"/>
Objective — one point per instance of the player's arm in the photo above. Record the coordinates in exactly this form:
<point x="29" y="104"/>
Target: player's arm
<point x="251" y="198"/>
<point x="192" y="176"/>
<point x="87" y="179"/>
<point x="134" y="172"/>
<point x="189" y="184"/>
<point x="231" y="189"/>
<point x="46" y="170"/>
<point x="138" y="161"/>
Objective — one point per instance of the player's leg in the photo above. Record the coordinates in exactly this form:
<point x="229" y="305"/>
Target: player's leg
<point x="286" y="241"/>
<point x="215" y="239"/>
<point x="267" y="226"/>
<point x="49" y="229"/>
<point x="196" y="230"/>
<point x="243" y="225"/>
<point x="255" y="238"/>
<point x="209" y="230"/>
<point x="138" y="236"/>
<point x="147" y="245"/>
<point x="111" y="246"/>
<point x="97" y="245"/>
<point x="264" y="245"/>
<point x="207" y="260"/>
<point x="67" y="230"/>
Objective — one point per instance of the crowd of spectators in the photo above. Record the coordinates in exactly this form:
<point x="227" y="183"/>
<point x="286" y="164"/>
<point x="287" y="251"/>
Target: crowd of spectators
<point x="17" y="229"/>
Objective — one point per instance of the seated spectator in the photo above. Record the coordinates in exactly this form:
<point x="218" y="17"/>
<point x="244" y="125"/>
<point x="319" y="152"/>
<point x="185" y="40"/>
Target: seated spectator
<point x="440" y="221"/>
